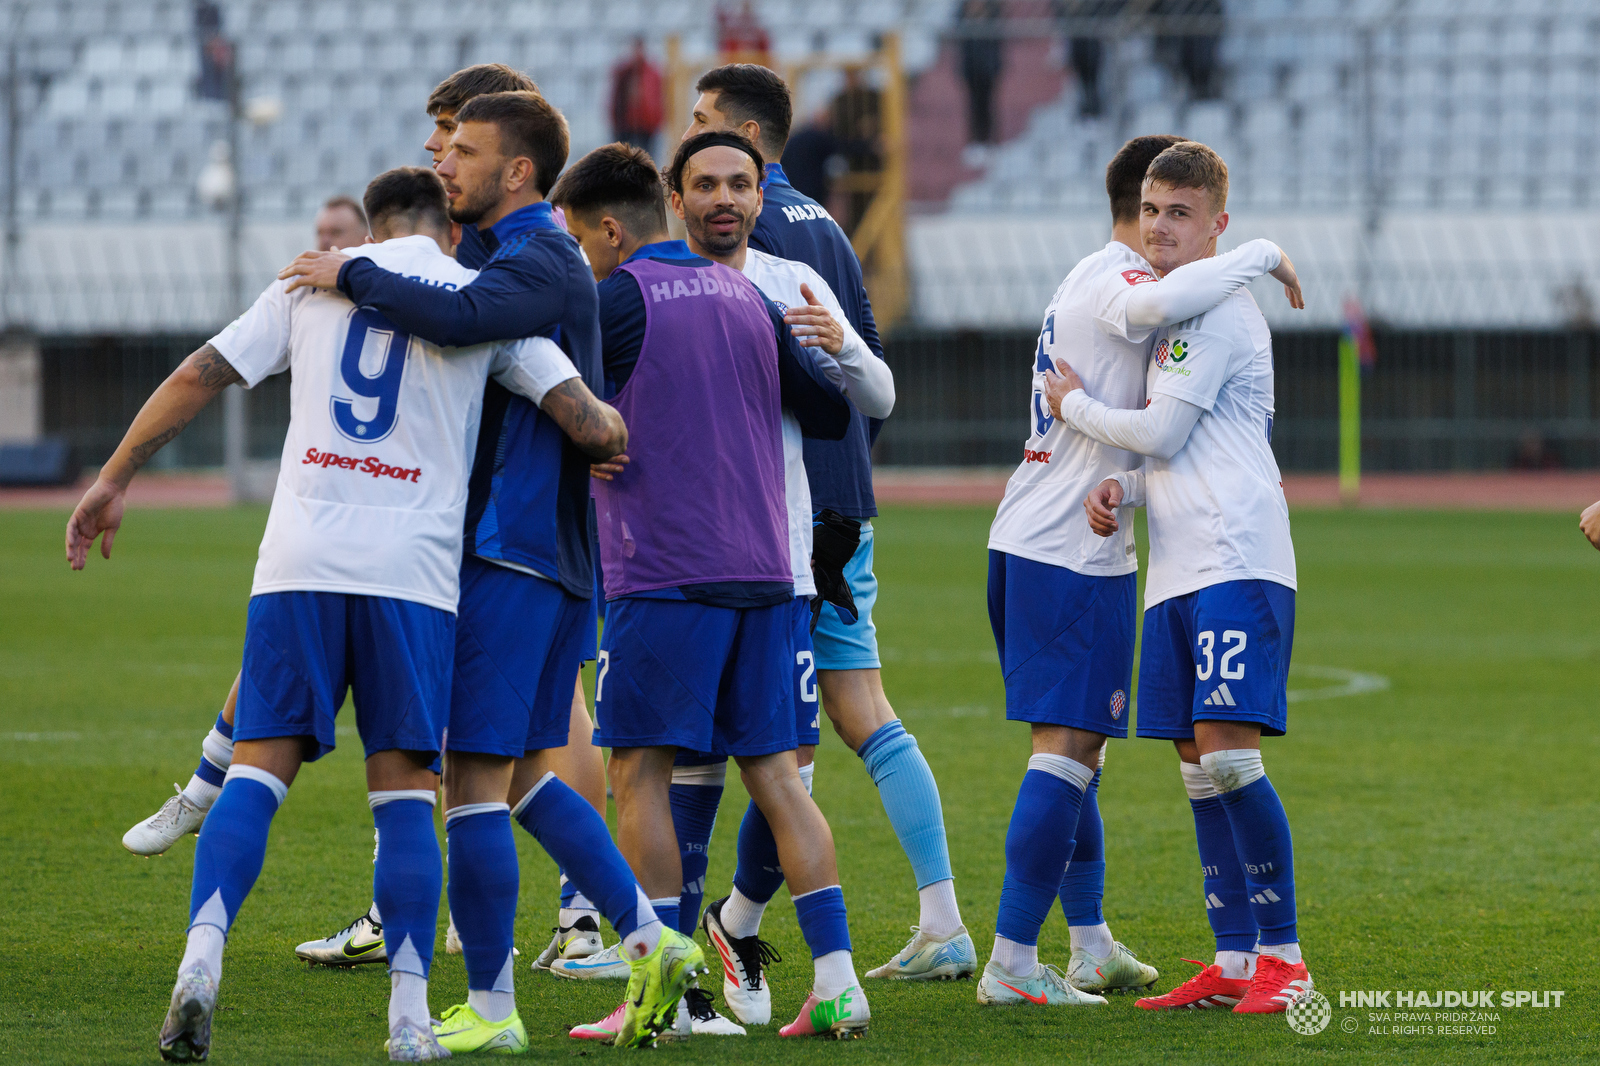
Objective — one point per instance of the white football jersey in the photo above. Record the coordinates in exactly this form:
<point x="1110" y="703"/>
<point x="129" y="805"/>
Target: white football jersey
<point x="780" y="280"/>
<point x="1041" y="516"/>
<point x="372" y="489"/>
<point x="1216" y="509"/>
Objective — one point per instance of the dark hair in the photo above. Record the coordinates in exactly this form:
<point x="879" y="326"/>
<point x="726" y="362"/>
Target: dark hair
<point x="1191" y="165"/>
<point x="477" y="80"/>
<point x="617" y="180"/>
<point x="699" y="143"/>
<point x="1125" y="173"/>
<point x="333" y="202"/>
<point x="413" y="192"/>
<point x="530" y="127"/>
<point x="747" y="92"/>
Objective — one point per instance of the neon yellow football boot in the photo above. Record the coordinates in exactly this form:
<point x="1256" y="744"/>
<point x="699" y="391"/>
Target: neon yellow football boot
<point x="463" y="1029"/>
<point x="655" y="985"/>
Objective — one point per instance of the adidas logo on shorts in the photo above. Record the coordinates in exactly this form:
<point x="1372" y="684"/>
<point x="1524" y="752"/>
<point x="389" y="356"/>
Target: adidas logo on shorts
<point x="1221" y="697"/>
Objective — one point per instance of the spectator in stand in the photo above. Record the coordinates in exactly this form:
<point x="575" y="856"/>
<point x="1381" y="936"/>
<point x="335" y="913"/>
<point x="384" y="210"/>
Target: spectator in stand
<point x="814" y="157"/>
<point x="1086" y="53"/>
<point x="1194" y="51"/>
<point x="856" y="124"/>
<point x="340" y="224"/>
<point x="740" y="33"/>
<point x="637" y="108"/>
<point x="982" y="59"/>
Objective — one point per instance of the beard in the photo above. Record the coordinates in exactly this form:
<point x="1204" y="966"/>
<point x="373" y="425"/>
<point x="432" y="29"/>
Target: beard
<point x="720" y="243"/>
<point x="470" y="206"/>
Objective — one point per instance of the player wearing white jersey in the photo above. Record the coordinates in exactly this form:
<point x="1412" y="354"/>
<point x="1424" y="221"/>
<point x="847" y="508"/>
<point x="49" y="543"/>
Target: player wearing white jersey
<point x="356" y="584"/>
<point x="1219" y="600"/>
<point x="1061" y="600"/>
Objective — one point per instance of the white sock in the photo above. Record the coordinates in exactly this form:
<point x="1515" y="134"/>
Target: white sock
<point x="741" y="915"/>
<point x="408" y="999"/>
<point x="1289" y="953"/>
<point x="1237" y="965"/>
<point x="569" y="915"/>
<point x="372" y="912"/>
<point x="807" y="772"/>
<point x="643" y="940"/>
<point x="1095" y="939"/>
<point x="498" y="1003"/>
<point x="941" y="918"/>
<point x="836" y="971"/>
<point x="1015" y="958"/>
<point x="201" y="793"/>
<point x="205" y="946"/>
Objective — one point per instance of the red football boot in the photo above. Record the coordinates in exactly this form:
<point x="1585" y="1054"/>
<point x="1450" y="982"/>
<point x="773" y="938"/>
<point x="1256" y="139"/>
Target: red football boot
<point x="1275" y="985"/>
<point x="1206" y="990"/>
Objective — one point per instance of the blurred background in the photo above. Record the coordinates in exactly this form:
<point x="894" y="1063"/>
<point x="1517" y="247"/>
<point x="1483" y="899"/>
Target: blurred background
<point x="1429" y="164"/>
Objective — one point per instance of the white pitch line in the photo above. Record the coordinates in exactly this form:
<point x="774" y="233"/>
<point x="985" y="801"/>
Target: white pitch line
<point x="1351" y="683"/>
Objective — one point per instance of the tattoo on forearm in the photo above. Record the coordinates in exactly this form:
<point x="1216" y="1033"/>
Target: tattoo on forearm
<point x="141" y="453"/>
<point x="214" y="370"/>
<point x="582" y="416"/>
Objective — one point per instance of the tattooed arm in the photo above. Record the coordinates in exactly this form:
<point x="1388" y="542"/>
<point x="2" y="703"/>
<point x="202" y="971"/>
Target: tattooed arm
<point x="171" y="407"/>
<point x="595" y="427"/>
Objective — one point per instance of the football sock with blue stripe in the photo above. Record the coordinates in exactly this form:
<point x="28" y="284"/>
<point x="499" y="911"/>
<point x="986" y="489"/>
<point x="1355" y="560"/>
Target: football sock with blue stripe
<point x="1083" y="886"/>
<point x="568" y="828"/>
<point x="911" y="800"/>
<point x="1036" y="853"/>
<point x="826" y="929"/>
<point x="695" y="795"/>
<point x="1262" y="839"/>
<point x="484" y="879"/>
<point x="216" y="755"/>
<point x="666" y="909"/>
<point x="1226" y="898"/>
<point x="573" y="904"/>
<point x="408" y="877"/>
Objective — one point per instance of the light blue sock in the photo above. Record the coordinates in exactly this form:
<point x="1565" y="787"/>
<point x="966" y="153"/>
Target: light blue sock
<point x="232" y="846"/>
<point x="1266" y="852"/>
<point x="694" y="817"/>
<point x="407" y="879"/>
<point x="910" y="799"/>
<point x="484" y="880"/>
<point x="577" y="839"/>
<point x="1083" y="886"/>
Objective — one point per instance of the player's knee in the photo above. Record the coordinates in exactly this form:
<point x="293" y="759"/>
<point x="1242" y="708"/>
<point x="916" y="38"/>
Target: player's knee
<point x="1233" y="769"/>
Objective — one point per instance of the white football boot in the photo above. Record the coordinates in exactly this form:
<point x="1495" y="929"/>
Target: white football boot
<point x="357" y="944"/>
<point x="1117" y="972"/>
<point x="411" y="1042"/>
<point x="605" y="965"/>
<point x="744" y="959"/>
<point x="926" y="959"/>
<point x="697" y="1017"/>
<point x="178" y="816"/>
<point x="186" y="1032"/>
<point x="1047" y="986"/>
<point x="579" y="940"/>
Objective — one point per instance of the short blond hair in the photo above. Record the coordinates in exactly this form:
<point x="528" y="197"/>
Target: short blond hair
<point x="1191" y="165"/>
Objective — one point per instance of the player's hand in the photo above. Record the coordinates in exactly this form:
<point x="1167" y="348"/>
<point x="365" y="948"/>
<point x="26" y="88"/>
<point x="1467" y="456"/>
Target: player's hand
<point x="1284" y="272"/>
<point x="314" y="270"/>
<point x="1590" y="523"/>
<point x="100" y="511"/>
<point x="1057" y="383"/>
<point x="1101" y="504"/>
<point x="814" y="326"/>
<point x="608" y="470"/>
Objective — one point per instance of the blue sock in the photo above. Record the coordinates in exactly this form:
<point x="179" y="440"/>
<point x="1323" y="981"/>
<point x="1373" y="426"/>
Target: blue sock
<point x="208" y="771"/>
<point x="233" y="843"/>
<point x="694" y="816"/>
<point x="1262" y="840"/>
<point x="822" y="920"/>
<point x="1037" y="850"/>
<point x="568" y="890"/>
<point x="577" y="839"/>
<point x="758" y="873"/>
<point x="1083" y="886"/>
<point x="406" y="879"/>
<point x="910" y="799"/>
<point x="1227" y="900"/>
<point x="484" y="880"/>
<point x="667" y="910"/>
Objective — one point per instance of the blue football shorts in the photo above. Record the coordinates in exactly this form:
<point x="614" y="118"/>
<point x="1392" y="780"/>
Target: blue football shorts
<point x="1065" y="641"/>
<point x="1222" y="654"/>
<point x="304" y="650"/>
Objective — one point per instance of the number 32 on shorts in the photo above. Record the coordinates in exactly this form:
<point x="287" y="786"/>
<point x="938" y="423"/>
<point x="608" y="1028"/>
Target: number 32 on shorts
<point x="1233" y="644"/>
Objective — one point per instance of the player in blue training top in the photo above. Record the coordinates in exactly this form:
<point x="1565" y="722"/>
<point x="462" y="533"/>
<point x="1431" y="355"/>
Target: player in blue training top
<point x="752" y="100"/>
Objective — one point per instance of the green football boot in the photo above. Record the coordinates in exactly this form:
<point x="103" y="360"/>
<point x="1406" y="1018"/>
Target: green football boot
<point x="463" y="1029"/>
<point x="655" y="985"/>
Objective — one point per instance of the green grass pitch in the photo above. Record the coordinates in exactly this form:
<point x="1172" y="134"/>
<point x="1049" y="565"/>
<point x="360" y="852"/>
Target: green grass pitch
<point x="1446" y="829"/>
